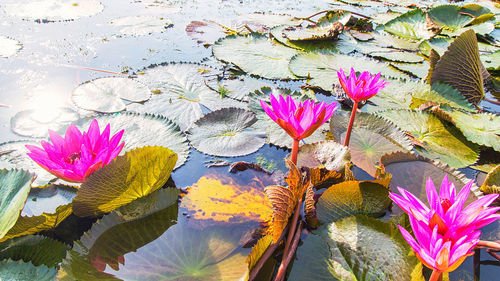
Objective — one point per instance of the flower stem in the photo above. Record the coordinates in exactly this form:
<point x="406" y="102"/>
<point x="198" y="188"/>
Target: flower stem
<point x="295" y="151"/>
<point x="288" y="257"/>
<point x="436" y="276"/>
<point x="351" y="122"/>
<point x="489" y="244"/>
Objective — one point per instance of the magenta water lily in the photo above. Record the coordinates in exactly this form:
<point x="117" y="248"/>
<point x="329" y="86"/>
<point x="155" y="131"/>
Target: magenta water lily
<point x="445" y="231"/>
<point x="77" y="155"/>
<point x="358" y="89"/>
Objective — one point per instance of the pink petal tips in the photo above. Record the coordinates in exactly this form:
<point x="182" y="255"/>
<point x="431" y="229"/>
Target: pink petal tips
<point x="77" y="155"/>
<point x="360" y="88"/>
<point x="445" y="232"/>
<point x="299" y="120"/>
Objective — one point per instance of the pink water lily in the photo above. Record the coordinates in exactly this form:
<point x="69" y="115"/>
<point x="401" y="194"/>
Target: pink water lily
<point x="446" y="232"/>
<point x="299" y="120"/>
<point x="358" y="89"/>
<point x="77" y="155"/>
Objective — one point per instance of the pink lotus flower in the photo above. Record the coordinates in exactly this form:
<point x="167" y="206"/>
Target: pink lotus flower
<point x="360" y="88"/>
<point x="446" y="231"/>
<point x="299" y="120"/>
<point x="76" y="156"/>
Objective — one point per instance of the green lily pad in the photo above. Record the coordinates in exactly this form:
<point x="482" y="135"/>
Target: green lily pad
<point x="141" y="25"/>
<point x="109" y="94"/>
<point x="383" y="18"/>
<point x="322" y="68"/>
<point x="371" y="138"/>
<point x="180" y="91"/>
<point x="356" y="248"/>
<point x="462" y="60"/>
<point x="309" y="45"/>
<point x="227" y="132"/>
<point x="389" y="41"/>
<point x="439" y="141"/>
<point x="398" y="56"/>
<point x="322" y="31"/>
<point x="22" y="271"/>
<point x="275" y="134"/>
<point x="480" y="13"/>
<point x="396" y="94"/>
<point x="325" y="154"/>
<point x="411" y="173"/>
<point x="256" y="55"/>
<point x="350" y="198"/>
<point x="34" y="123"/>
<point x="492" y="182"/>
<point x="491" y="61"/>
<point x="37" y="249"/>
<point x="9" y="47"/>
<point x="48" y="198"/>
<point x="271" y="20"/>
<point x="411" y="25"/>
<point x="419" y="70"/>
<point x="26" y="225"/>
<point x="449" y="18"/>
<point x="133" y="175"/>
<point x="442" y="94"/>
<point x="53" y="10"/>
<point x="240" y="88"/>
<point x="480" y="128"/>
<point x="145" y="130"/>
<point x="14" y="188"/>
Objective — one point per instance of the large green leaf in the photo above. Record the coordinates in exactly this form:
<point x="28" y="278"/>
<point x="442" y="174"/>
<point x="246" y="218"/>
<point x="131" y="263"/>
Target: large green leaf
<point x="22" y="271"/>
<point x="449" y="18"/>
<point x="322" y="31"/>
<point x="133" y="175"/>
<point x="460" y="67"/>
<point x="356" y="248"/>
<point x="325" y="154"/>
<point x="36" y="123"/>
<point x="145" y="130"/>
<point x="227" y="132"/>
<point x="480" y="128"/>
<point x="353" y="197"/>
<point x="439" y="141"/>
<point x="36" y="249"/>
<point x="14" y="188"/>
<point x="417" y="69"/>
<point x="491" y="61"/>
<point x="141" y="25"/>
<point x="411" y="173"/>
<point x="396" y="94"/>
<point x="372" y="136"/>
<point x="322" y="68"/>
<point x="256" y="55"/>
<point x="109" y="94"/>
<point x="441" y="94"/>
<point x="411" y="25"/>
<point x="180" y="92"/>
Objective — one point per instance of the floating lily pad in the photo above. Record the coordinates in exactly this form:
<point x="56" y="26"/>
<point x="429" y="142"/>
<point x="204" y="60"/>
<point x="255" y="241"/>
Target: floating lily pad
<point x="54" y="10"/>
<point x="19" y="271"/>
<point x="322" y="68"/>
<point x="480" y="128"/>
<point x="37" y="249"/>
<point x="480" y="13"/>
<point x="205" y="32"/>
<point x="256" y="55"/>
<point x="324" y="31"/>
<point x="109" y="94"/>
<point x="227" y="132"/>
<point x="419" y="70"/>
<point x="396" y="94"/>
<point x="441" y="94"/>
<point x="47" y="199"/>
<point x="141" y="25"/>
<point x="36" y="123"/>
<point x="398" y="56"/>
<point x="411" y="25"/>
<point x="240" y="88"/>
<point x="371" y="138"/>
<point x="411" y="173"/>
<point x="308" y="45"/>
<point x="462" y="60"/>
<point x="356" y="248"/>
<point x="383" y="18"/>
<point x="439" y="141"/>
<point x="271" y="20"/>
<point x="492" y="182"/>
<point x="180" y="90"/>
<point x="491" y="61"/>
<point x="9" y="47"/>
<point x="449" y="18"/>
<point x="14" y="188"/>
<point x="326" y="154"/>
<point x="145" y="129"/>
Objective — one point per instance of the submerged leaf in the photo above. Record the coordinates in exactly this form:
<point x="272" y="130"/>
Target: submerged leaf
<point x="133" y="175"/>
<point x="227" y="132"/>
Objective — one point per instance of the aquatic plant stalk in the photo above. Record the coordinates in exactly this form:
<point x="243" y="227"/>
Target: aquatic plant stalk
<point x="436" y="276"/>
<point x="351" y="122"/>
<point x="287" y="258"/>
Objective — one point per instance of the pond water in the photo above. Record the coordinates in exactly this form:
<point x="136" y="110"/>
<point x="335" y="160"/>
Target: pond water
<point x="38" y="84"/>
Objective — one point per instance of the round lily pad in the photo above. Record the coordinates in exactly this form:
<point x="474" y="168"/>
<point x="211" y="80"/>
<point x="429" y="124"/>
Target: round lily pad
<point x="439" y="141"/>
<point x="398" y="56"/>
<point x="449" y="17"/>
<point x="442" y="94"/>
<point x="326" y="154"/>
<point x="411" y="25"/>
<point x="145" y="130"/>
<point x="480" y="128"/>
<point x="322" y="68"/>
<point x="396" y="94"/>
<point x="372" y="137"/>
<point x="271" y="20"/>
<point x="256" y="55"/>
<point x="324" y="31"/>
<point x="354" y="248"/>
<point x="54" y="10"/>
<point x="180" y="90"/>
<point x="227" y="132"/>
<point x="37" y="249"/>
<point x="419" y="70"/>
<point x="36" y="123"/>
<point x="240" y="88"/>
<point x="309" y="45"/>
<point x="9" y="47"/>
<point x="491" y="61"/>
<point x="47" y="199"/>
<point x="18" y="270"/>
<point x="109" y="94"/>
<point x="141" y="25"/>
